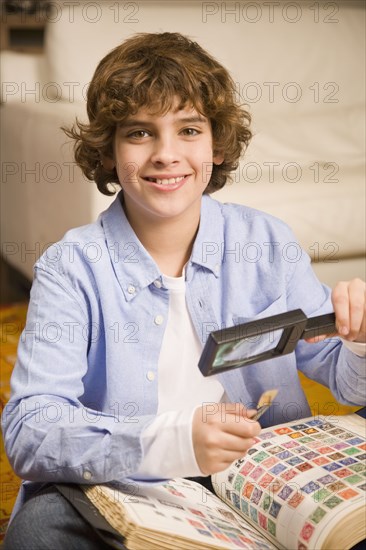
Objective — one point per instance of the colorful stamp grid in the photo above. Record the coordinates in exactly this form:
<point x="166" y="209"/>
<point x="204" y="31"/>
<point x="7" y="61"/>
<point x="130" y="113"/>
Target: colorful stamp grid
<point x="215" y="523"/>
<point x="264" y="480"/>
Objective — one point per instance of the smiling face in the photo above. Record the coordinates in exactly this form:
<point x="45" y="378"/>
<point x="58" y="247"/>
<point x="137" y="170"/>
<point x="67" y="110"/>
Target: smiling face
<point x="164" y="163"/>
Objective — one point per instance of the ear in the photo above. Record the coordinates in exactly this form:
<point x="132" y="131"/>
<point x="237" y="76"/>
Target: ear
<point x="218" y="158"/>
<point x="107" y="162"/>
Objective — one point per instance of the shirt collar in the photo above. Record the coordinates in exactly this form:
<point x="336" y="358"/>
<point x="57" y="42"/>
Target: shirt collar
<point x="133" y="265"/>
<point x="208" y="246"/>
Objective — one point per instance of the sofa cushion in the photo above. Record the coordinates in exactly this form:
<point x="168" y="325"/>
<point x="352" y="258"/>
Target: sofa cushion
<point x="289" y="55"/>
<point x="327" y="219"/>
<point x="315" y="185"/>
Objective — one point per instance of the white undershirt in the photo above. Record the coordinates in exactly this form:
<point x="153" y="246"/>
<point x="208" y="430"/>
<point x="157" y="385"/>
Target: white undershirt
<point x="167" y="442"/>
<point x="181" y="383"/>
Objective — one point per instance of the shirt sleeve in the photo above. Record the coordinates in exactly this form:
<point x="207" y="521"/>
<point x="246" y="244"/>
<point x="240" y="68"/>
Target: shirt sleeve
<point x="50" y="435"/>
<point x="169" y="437"/>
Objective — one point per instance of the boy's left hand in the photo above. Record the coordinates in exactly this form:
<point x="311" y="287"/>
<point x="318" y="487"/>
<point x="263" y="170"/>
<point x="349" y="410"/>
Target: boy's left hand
<point x="349" y="303"/>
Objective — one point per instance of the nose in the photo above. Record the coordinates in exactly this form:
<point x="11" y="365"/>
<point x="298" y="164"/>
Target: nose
<point x="165" y="151"/>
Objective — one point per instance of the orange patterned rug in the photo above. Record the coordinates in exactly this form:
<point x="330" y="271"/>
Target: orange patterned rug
<point x="12" y="320"/>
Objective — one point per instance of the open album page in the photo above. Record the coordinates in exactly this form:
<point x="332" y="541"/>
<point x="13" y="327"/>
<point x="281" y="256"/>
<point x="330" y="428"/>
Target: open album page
<point x="300" y="480"/>
<point x="171" y="514"/>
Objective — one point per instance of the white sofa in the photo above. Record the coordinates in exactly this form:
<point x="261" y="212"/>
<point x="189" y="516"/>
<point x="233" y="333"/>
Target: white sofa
<point x="300" y="67"/>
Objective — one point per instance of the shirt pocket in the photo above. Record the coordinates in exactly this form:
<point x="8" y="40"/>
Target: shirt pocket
<point x="278" y="306"/>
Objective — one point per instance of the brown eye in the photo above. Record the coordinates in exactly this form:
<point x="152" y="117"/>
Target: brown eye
<point x="190" y="132"/>
<point x="138" y="134"/>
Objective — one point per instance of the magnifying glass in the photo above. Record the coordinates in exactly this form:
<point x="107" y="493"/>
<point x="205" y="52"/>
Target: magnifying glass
<point x="260" y="340"/>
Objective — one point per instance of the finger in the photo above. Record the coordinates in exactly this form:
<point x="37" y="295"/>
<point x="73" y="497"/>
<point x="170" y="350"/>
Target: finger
<point x="244" y="428"/>
<point x="357" y="292"/>
<point x="220" y="449"/>
<point x="319" y="338"/>
<point x="236" y="409"/>
<point x="228" y="457"/>
<point x="247" y="414"/>
<point x="235" y="444"/>
<point x="220" y="459"/>
<point x="340" y="300"/>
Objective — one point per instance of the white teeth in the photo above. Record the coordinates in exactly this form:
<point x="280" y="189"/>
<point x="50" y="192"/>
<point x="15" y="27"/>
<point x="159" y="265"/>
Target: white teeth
<point x="165" y="181"/>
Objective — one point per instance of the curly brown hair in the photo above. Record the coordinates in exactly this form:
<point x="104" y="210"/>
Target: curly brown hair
<point x="154" y="69"/>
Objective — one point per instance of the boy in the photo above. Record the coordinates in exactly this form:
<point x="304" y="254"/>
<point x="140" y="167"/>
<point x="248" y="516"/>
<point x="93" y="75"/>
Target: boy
<point x="106" y="386"/>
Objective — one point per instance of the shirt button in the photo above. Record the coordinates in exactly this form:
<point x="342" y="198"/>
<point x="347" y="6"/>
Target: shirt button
<point x="87" y="475"/>
<point x="150" y="375"/>
<point x="157" y="283"/>
<point x="131" y="289"/>
<point x="159" y="320"/>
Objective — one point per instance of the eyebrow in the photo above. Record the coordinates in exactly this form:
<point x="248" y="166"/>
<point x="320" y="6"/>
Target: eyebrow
<point x="186" y="120"/>
<point x="193" y="119"/>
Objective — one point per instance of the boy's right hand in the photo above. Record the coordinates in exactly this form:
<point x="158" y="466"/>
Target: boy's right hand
<point x="222" y="433"/>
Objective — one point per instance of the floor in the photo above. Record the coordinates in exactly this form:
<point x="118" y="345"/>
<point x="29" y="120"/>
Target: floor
<point x="14" y="296"/>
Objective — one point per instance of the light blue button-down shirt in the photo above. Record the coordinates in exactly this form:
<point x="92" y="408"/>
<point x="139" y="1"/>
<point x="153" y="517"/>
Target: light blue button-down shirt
<point x="85" y="384"/>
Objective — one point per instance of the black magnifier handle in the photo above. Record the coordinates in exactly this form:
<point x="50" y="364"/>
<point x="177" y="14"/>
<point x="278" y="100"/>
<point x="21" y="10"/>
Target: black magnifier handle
<point x="322" y="324"/>
<point x="261" y="340"/>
